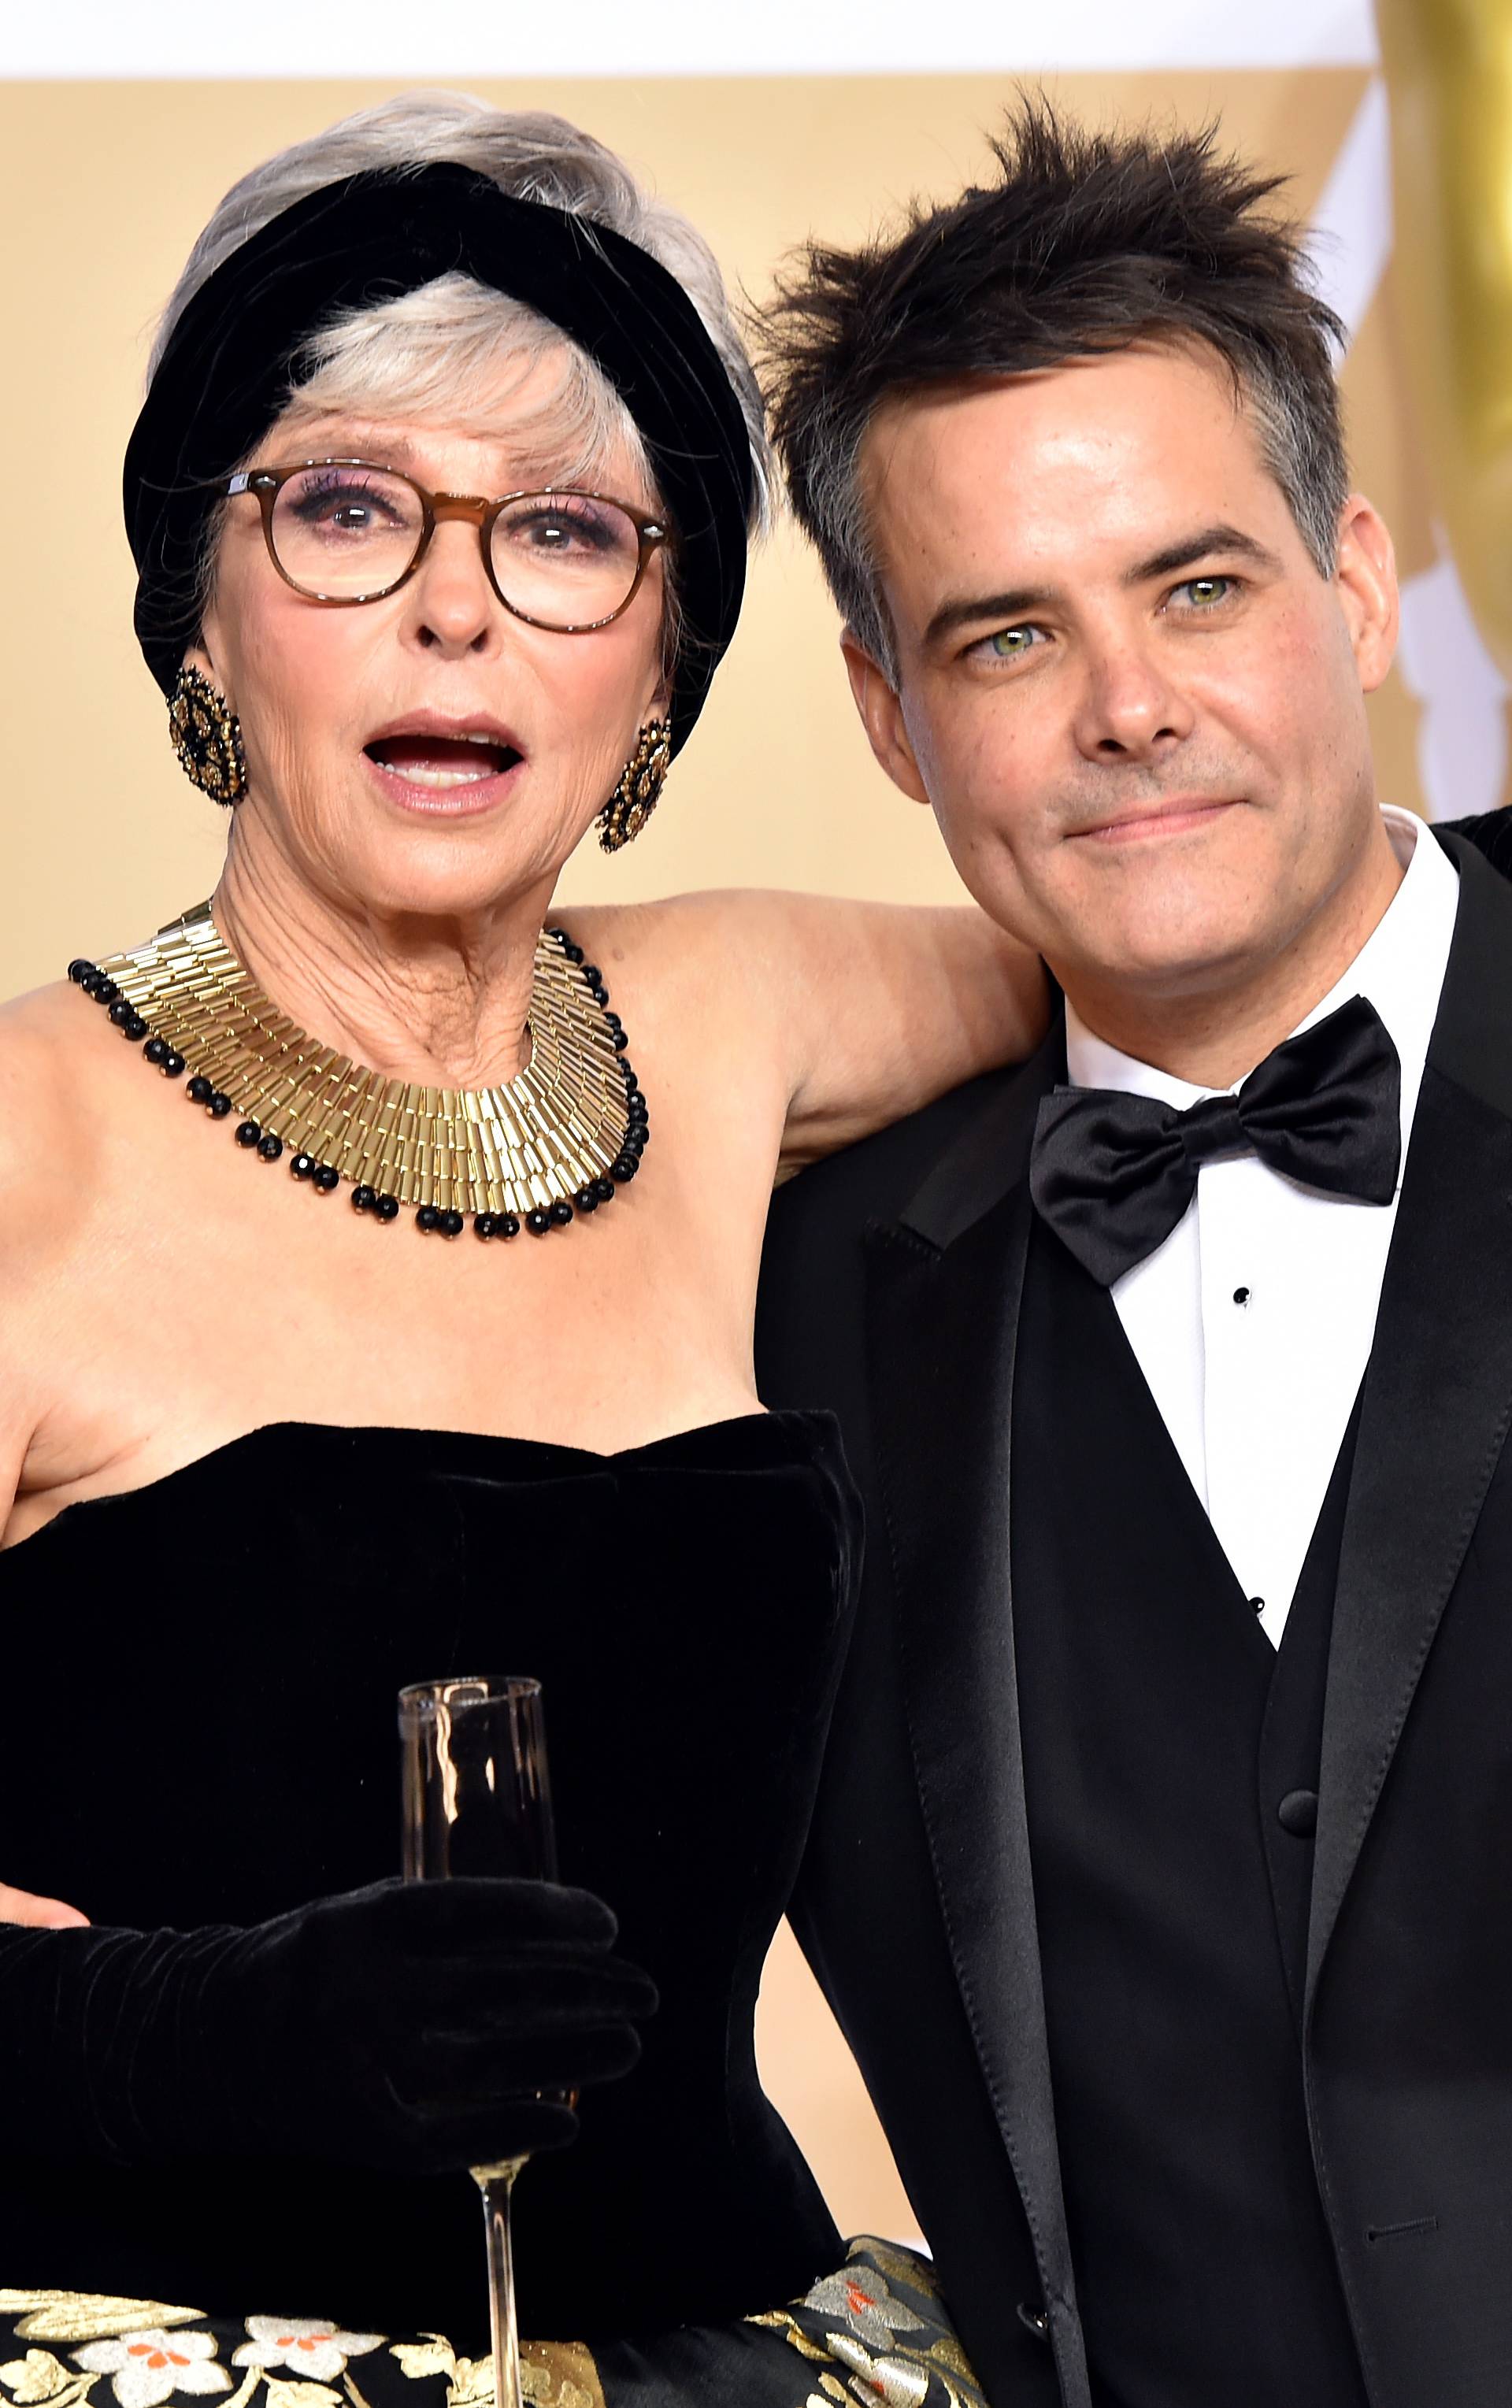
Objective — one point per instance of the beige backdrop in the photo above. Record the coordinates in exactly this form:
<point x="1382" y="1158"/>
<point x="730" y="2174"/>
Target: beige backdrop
<point x="104" y="186"/>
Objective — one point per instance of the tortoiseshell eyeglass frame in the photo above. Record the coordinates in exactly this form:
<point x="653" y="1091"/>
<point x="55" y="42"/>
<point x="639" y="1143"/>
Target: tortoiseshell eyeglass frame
<point x="653" y="535"/>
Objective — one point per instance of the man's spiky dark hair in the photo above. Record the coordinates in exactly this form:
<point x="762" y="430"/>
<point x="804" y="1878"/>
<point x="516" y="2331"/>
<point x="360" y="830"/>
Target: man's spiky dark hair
<point x="1085" y="242"/>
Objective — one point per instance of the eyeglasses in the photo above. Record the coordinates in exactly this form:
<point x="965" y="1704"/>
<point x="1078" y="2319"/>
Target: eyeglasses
<point x="346" y="531"/>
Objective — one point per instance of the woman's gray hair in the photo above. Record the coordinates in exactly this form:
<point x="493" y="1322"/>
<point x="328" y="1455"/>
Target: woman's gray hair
<point x="431" y="346"/>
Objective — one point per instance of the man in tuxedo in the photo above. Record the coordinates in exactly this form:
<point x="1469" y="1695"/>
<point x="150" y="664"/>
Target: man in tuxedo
<point x="1162" y="1875"/>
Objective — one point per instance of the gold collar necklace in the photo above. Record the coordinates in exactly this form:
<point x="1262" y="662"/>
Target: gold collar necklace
<point x="553" y="1141"/>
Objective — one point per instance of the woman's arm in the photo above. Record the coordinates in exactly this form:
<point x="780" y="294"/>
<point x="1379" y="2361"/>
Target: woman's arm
<point x="886" y="1006"/>
<point x="31" y="1143"/>
<point x="861" y="1012"/>
<point x="148" y="2045"/>
<point x="45" y="1173"/>
<point x="16" y="1204"/>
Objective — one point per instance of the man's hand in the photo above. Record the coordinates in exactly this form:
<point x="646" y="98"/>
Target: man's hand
<point x="44" y="1914"/>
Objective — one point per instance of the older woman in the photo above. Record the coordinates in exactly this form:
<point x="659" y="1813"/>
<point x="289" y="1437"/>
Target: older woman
<point x="369" y="1316"/>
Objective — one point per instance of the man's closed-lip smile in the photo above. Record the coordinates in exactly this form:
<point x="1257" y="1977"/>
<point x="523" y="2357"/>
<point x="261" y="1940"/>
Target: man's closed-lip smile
<point x="1176" y="815"/>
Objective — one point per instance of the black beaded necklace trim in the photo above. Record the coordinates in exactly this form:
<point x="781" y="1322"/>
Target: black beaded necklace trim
<point x="322" y="1178"/>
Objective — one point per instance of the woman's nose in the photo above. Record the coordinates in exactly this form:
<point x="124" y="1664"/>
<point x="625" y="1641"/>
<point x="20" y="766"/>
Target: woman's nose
<point x="453" y="607"/>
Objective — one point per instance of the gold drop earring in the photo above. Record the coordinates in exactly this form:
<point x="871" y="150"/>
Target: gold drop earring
<point x="207" y="737"/>
<point x="639" y="788"/>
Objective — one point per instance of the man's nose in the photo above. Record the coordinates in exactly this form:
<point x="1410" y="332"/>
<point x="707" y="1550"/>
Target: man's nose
<point x="1131" y="709"/>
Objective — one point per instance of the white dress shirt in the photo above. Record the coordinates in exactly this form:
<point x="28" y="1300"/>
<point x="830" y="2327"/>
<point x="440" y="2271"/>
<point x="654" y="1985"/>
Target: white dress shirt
<point x="1253" y="1322"/>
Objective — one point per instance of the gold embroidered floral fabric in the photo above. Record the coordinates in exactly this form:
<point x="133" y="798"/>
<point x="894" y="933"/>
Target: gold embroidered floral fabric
<point x="872" y="2334"/>
<point x="876" y="2330"/>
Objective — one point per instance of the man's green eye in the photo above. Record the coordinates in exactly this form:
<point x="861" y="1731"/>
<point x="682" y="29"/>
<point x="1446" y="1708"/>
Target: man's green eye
<point x="1010" y="640"/>
<point x="1206" y="591"/>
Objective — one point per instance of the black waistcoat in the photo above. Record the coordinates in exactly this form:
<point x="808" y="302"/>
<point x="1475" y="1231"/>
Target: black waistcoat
<point x="1160" y="1733"/>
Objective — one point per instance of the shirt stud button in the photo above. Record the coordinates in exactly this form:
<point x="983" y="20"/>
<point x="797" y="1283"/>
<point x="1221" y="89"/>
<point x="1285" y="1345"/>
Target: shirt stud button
<point x="1241" y="1296"/>
<point x="1258" y="1603"/>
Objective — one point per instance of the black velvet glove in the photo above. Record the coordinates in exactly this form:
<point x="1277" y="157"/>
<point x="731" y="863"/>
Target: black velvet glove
<point x="405" y="2027"/>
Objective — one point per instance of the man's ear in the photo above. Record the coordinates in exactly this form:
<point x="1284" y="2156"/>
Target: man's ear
<point x="882" y="716"/>
<point x="1366" y="581"/>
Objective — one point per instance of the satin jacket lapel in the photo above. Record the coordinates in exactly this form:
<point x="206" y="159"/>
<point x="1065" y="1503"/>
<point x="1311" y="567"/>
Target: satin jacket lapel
<point x="1437" y="1399"/>
<point x="944" y="1285"/>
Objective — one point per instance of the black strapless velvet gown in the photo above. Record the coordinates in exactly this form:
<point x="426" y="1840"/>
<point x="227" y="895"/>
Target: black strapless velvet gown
<point x="201" y="1678"/>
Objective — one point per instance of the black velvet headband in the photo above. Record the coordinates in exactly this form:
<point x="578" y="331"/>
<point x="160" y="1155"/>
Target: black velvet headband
<point x="236" y="351"/>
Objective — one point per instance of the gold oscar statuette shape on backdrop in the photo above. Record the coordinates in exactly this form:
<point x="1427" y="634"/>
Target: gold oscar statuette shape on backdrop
<point x="1448" y="69"/>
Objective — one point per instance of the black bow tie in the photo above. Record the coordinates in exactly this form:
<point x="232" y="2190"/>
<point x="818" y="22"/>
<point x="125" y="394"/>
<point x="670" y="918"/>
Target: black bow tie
<point x="1112" y="1173"/>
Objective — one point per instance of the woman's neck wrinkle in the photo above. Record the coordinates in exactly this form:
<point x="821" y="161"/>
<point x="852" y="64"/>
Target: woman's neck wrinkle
<point x="425" y="1009"/>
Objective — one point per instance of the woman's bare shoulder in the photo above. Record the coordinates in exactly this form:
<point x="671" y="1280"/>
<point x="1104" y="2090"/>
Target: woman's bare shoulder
<point x="52" y="1086"/>
<point x="673" y="940"/>
<point x="861" y="1011"/>
<point x="654" y="923"/>
<point x="696" y="975"/>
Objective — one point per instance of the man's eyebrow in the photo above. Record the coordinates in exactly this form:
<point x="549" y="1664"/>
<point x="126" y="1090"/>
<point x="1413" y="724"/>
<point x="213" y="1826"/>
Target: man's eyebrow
<point x="1019" y="604"/>
<point x="1022" y="601"/>
<point x="1207" y="540"/>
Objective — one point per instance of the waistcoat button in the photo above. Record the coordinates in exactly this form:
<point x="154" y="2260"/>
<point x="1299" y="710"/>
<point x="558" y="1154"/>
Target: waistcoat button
<point x="1298" y="1812"/>
<point x="1034" y="2321"/>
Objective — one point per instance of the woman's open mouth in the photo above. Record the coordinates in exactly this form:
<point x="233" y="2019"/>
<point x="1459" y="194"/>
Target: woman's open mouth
<point x="443" y="773"/>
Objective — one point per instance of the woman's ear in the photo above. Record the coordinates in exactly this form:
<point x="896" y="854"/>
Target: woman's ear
<point x="882" y="716"/>
<point x="205" y="655"/>
<point x="659" y="702"/>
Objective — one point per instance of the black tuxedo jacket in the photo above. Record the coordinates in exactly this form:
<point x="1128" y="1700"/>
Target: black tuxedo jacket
<point x="891" y="1293"/>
